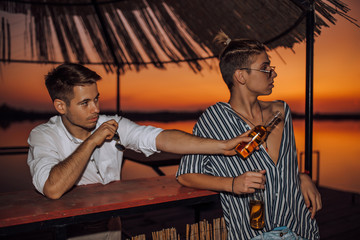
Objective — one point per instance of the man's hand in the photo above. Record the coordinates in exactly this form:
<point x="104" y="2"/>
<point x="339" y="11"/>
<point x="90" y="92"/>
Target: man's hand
<point x="248" y="182"/>
<point x="105" y="132"/>
<point x="64" y="175"/>
<point x="229" y="147"/>
<point x="311" y="195"/>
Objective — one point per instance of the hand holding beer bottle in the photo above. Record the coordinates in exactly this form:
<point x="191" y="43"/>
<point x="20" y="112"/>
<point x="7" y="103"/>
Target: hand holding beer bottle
<point x="259" y="135"/>
<point x="257" y="208"/>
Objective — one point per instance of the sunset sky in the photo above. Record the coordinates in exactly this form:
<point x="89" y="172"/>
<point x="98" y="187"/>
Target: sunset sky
<point x="336" y="79"/>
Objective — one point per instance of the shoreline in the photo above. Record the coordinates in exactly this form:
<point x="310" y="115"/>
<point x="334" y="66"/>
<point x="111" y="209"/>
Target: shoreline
<point x="7" y="118"/>
<point x="13" y="114"/>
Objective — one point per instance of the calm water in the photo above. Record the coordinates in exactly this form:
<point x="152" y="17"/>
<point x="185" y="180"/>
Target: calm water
<point x="336" y="142"/>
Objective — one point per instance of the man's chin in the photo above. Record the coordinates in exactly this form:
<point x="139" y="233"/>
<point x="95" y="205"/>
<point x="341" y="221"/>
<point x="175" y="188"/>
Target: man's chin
<point x="93" y="126"/>
<point x="90" y="127"/>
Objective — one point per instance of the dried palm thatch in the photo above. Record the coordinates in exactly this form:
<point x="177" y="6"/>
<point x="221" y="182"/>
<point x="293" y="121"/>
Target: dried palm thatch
<point x="127" y="33"/>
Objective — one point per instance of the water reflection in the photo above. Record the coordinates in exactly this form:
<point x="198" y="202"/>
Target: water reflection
<point x="335" y="141"/>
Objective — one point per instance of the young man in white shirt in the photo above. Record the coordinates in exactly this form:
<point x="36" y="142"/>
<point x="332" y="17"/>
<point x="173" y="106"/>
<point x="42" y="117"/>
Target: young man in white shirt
<point x="76" y="147"/>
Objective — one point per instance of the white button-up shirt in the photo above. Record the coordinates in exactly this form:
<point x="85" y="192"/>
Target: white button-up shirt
<point x="51" y="143"/>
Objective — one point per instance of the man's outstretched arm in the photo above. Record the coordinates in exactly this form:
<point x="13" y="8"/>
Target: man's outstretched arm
<point x="176" y="141"/>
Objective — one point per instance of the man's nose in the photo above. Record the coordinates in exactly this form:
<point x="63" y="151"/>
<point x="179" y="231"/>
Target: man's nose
<point x="274" y="74"/>
<point x="95" y="107"/>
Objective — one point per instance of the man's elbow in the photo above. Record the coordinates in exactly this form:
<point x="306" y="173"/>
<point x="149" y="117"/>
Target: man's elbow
<point x="51" y="192"/>
<point x="182" y="179"/>
<point x="53" y="196"/>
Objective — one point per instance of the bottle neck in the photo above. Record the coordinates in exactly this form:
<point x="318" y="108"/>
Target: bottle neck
<point x="274" y="122"/>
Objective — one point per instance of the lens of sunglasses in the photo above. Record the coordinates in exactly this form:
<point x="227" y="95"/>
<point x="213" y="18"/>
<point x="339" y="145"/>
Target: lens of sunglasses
<point x="119" y="147"/>
<point x="116" y="137"/>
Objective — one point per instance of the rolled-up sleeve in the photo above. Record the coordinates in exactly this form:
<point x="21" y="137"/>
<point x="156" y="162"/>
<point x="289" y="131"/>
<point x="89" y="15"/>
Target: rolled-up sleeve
<point x="138" y="137"/>
<point x="193" y="164"/>
<point x="42" y="157"/>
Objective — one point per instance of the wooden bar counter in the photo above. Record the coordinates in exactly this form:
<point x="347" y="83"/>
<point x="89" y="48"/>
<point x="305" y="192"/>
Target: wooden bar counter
<point x="27" y="210"/>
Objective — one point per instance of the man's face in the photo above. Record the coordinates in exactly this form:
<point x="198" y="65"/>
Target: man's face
<point x="261" y="83"/>
<point x="83" y="110"/>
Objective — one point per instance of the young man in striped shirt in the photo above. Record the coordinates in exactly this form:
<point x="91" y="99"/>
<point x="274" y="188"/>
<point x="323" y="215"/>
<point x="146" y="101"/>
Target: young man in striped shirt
<point x="291" y="199"/>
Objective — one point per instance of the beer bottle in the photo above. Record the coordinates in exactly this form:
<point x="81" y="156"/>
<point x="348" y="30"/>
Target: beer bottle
<point x="259" y="135"/>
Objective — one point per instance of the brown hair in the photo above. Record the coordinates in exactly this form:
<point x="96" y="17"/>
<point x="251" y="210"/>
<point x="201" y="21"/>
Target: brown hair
<point x="236" y="54"/>
<point x="60" y="81"/>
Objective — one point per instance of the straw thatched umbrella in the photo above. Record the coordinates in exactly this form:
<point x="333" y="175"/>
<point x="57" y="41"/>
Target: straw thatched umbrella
<point x="126" y="33"/>
<point x="123" y="34"/>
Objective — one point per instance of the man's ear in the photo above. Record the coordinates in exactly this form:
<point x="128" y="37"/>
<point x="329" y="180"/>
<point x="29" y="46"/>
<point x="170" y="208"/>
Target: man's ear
<point x="60" y="106"/>
<point x="239" y="77"/>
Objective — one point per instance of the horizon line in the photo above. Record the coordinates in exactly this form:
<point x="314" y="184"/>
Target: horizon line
<point x="12" y="114"/>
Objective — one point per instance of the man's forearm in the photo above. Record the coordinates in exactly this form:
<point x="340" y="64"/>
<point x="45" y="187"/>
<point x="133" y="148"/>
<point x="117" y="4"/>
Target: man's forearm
<point x="179" y="142"/>
<point x="208" y="182"/>
<point x="63" y="176"/>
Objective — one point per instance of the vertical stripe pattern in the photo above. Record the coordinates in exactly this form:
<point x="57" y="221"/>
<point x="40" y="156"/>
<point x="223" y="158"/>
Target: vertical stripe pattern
<point x="284" y="202"/>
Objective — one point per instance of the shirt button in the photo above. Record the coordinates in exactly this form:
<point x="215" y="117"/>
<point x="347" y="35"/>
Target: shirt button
<point x="98" y="172"/>
<point x="93" y="160"/>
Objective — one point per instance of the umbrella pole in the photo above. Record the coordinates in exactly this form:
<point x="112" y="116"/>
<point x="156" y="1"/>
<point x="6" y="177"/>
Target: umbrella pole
<point x="310" y="22"/>
<point x="118" y="108"/>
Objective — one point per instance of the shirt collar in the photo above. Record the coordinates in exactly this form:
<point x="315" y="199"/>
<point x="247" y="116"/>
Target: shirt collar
<point x="67" y="133"/>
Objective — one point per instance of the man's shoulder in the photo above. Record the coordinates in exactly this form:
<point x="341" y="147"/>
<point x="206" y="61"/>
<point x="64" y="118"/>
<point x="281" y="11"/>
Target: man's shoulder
<point x="215" y="110"/>
<point x="46" y="130"/>
<point x="218" y="107"/>
<point x="277" y="105"/>
<point x="52" y="123"/>
<point x="282" y="106"/>
<point x="217" y="116"/>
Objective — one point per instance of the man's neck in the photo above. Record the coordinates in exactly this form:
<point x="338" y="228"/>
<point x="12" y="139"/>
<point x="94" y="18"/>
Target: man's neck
<point x="244" y="104"/>
<point x="76" y="131"/>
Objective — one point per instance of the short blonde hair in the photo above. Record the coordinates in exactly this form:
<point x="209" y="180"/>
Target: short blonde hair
<point x="236" y="54"/>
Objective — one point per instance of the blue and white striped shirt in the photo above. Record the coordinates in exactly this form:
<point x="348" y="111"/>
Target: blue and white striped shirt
<point x="284" y="203"/>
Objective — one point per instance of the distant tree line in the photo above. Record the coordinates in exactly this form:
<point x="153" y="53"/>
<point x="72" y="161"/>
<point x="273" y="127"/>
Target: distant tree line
<point x="9" y="115"/>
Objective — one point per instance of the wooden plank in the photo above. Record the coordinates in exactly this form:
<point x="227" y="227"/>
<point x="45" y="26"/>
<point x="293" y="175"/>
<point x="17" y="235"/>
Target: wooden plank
<point x="24" y="207"/>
